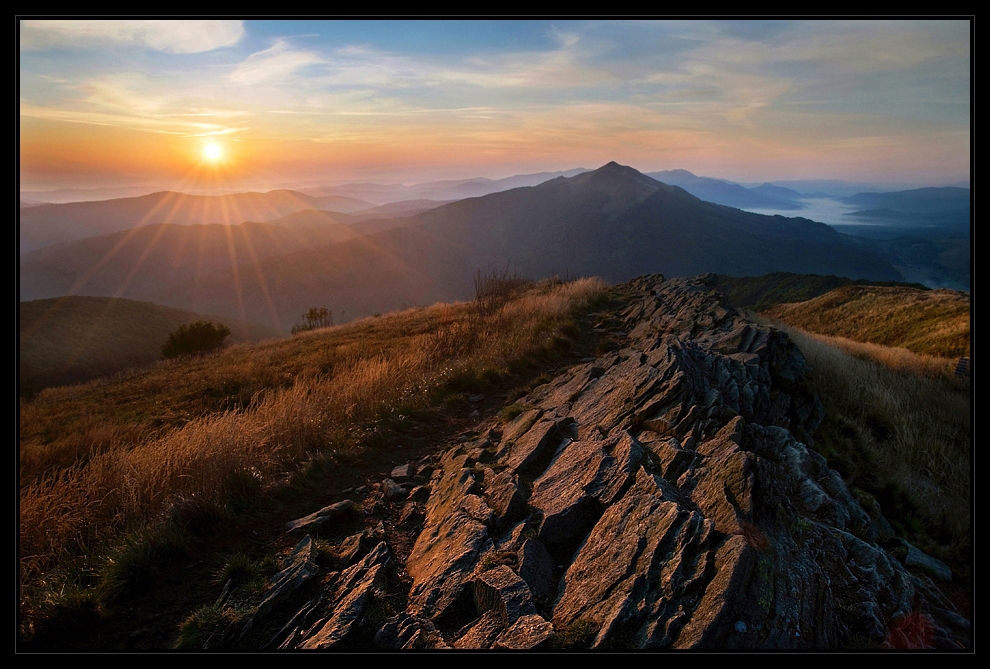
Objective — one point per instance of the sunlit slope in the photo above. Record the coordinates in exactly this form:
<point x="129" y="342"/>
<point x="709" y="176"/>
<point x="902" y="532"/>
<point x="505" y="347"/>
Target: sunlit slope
<point x="72" y="339"/>
<point x="762" y="292"/>
<point x="926" y="322"/>
<point x="56" y="223"/>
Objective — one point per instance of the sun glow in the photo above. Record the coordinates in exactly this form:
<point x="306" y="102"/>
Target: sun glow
<point x="213" y="152"/>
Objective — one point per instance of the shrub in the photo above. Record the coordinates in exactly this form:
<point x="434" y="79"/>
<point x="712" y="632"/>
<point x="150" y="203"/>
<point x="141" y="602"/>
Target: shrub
<point x="316" y="317"/>
<point x="494" y="289"/>
<point x="195" y="338"/>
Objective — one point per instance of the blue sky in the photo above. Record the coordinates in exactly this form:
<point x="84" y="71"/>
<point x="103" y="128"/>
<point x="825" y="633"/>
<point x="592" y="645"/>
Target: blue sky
<point x="113" y="102"/>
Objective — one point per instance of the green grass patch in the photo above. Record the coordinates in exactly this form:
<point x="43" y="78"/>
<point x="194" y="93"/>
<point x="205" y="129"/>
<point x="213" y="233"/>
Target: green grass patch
<point x="131" y="569"/>
<point x="576" y="636"/>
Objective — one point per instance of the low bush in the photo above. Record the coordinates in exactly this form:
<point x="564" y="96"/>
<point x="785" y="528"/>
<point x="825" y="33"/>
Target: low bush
<point x="195" y="338"/>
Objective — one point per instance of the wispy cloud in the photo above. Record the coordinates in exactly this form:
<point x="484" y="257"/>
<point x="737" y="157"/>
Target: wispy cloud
<point x="661" y="90"/>
<point x="167" y="36"/>
<point x="273" y="63"/>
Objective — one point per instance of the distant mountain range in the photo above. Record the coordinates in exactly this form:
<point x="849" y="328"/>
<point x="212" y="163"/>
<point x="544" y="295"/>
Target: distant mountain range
<point x="438" y="190"/>
<point x="614" y="222"/>
<point x="731" y="194"/>
<point x="925" y="201"/>
<point x="55" y="223"/>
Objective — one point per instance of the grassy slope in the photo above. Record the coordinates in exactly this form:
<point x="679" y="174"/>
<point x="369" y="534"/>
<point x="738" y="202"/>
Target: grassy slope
<point x="903" y="440"/>
<point x="761" y="292"/>
<point x="71" y="339"/>
<point x="103" y="461"/>
<point x="926" y="322"/>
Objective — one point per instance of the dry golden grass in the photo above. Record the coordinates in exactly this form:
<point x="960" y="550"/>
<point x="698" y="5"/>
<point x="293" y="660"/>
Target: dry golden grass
<point x="102" y="460"/>
<point x="894" y="358"/>
<point x="926" y="322"/>
<point x="898" y="426"/>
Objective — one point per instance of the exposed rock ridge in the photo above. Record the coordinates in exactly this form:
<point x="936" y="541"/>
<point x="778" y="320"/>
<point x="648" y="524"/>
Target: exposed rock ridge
<point x="661" y="496"/>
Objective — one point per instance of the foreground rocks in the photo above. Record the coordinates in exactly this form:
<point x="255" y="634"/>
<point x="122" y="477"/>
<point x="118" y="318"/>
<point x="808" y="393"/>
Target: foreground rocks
<point x="661" y="496"/>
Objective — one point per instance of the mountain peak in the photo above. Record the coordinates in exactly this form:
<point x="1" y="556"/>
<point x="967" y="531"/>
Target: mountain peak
<point x="615" y="167"/>
<point x="614" y="174"/>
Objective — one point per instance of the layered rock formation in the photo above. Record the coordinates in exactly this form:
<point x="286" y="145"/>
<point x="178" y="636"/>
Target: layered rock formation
<point x="661" y="496"/>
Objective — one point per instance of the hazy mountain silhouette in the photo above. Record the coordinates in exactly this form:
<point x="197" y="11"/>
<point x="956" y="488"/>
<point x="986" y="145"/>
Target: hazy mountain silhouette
<point x="135" y="262"/>
<point x="453" y="189"/>
<point x="918" y="200"/>
<point x="727" y="193"/>
<point x="777" y="192"/>
<point x="55" y="223"/>
<point x="614" y="222"/>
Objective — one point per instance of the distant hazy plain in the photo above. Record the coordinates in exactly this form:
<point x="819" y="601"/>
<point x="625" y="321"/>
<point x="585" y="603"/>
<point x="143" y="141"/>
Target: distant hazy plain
<point x="822" y="209"/>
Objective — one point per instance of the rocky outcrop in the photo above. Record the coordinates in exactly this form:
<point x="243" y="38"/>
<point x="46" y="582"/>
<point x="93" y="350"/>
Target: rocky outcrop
<point x="660" y="496"/>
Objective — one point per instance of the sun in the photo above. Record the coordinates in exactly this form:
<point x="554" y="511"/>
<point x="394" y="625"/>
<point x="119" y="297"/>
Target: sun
<point x="213" y="152"/>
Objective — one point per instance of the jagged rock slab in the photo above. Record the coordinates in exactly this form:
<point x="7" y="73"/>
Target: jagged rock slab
<point x="481" y="633"/>
<point x="504" y="496"/>
<point x="528" y="633"/>
<point x="355" y="587"/>
<point x="450" y="542"/>
<point x="406" y="632"/>
<point x="644" y="553"/>
<point x="925" y="562"/>
<point x="300" y="567"/>
<point x="325" y="515"/>
<point x="583" y="479"/>
<point x="499" y="589"/>
<point x="532" y="447"/>
<point x="535" y="566"/>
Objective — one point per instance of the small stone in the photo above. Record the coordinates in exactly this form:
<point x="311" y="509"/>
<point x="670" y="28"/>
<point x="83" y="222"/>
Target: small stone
<point x="740" y="626"/>
<point x="393" y="490"/>
<point x="320" y="518"/>
<point x="402" y="473"/>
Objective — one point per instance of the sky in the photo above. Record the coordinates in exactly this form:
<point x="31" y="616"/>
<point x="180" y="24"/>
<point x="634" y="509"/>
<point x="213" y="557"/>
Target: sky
<point x="116" y="103"/>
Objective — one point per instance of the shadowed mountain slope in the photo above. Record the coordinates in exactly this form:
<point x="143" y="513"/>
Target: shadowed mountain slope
<point x="614" y="222"/>
<point x="55" y="223"/>
<point x="136" y="262"/>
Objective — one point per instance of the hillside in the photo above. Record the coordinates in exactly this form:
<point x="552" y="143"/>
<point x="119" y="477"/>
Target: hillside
<point x="926" y="322"/>
<point x="71" y="339"/>
<point x="394" y="486"/>
<point x="55" y="223"/>
<point x="614" y="222"/>
<point x="762" y="292"/>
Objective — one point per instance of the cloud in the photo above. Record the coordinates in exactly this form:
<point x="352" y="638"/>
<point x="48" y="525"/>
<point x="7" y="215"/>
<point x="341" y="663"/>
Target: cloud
<point x="275" y="62"/>
<point x="167" y="36"/>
